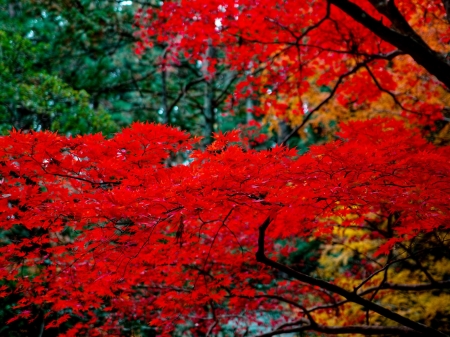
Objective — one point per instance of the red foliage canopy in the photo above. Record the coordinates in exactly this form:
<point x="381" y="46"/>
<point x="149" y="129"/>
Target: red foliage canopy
<point x="89" y="223"/>
<point x="357" y="51"/>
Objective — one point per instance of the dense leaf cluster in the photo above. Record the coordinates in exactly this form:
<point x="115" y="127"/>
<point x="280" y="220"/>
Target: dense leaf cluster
<point x="108" y="224"/>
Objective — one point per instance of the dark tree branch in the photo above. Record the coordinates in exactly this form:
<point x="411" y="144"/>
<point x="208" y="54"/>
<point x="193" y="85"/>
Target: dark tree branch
<point x="432" y="61"/>
<point x="183" y="93"/>
<point x="307" y="30"/>
<point x="388" y="286"/>
<point x="447" y="8"/>
<point x="325" y="101"/>
<point x="419" y="264"/>
<point x="329" y="306"/>
<point x="297" y="322"/>
<point x="388" y="56"/>
<point x="350" y="296"/>
<point x="224" y="94"/>
<point x="164" y="94"/>
<point x="379" y="271"/>
<point x="293" y="303"/>
<point x="399" y="23"/>
<point x="358" y="329"/>
<point x="409" y="287"/>
<point x="216" y="321"/>
<point x="380" y="87"/>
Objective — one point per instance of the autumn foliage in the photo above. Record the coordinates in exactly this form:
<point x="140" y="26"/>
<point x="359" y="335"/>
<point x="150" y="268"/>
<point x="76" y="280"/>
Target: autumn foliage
<point x="156" y="232"/>
<point x="330" y="60"/>
<point x="92" y="224"/>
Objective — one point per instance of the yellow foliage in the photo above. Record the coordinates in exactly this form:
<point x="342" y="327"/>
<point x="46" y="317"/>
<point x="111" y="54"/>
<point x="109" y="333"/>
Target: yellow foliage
<point x="350" y="244"/>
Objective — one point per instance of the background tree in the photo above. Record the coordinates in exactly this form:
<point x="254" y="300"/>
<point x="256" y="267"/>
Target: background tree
<point x="89" y="50"/>
<point x="31" y="98"/>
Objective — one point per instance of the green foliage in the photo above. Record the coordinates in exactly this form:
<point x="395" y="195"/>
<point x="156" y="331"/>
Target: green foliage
<point x="31" y="98"/>
<point x="71" y="67"/>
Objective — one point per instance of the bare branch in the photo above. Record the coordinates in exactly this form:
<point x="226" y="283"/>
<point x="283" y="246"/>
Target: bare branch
<point x="293" y="303"/>
<point x="350" y="296"/>
<point x="355" y="329"/>
<point x="419" y="264"/>
<point x="409" y="287"/>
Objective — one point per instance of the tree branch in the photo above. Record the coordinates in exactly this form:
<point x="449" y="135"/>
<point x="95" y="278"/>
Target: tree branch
<point x="447" y="8"/>
<point x="432" y="61"/>
<point x="355" y="329"/>
<point x="409" y="287"/>
<point x="399" y="23"/>
<point x="351" y="296"/>
<point x="325" y="101"/>
<point x="293" y="303"/>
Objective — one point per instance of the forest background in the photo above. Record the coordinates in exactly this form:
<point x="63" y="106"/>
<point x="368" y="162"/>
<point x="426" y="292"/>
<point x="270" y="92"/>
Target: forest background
<point x="83" y="67"/>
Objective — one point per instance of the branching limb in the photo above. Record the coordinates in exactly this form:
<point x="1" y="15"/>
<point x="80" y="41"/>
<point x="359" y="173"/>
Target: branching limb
<point x="409" y="287"/>
<point x="211" y="328"/>
<point x="350" y="296"/>
<point x="390" y="93"/>
<point x="398" y="21"/>
<point x="431" y="60"/>
<point x="355" y="329"/>
<point x="293" y="303"/>
<point x="419" y="264"/>
<point x="321" y="104"/>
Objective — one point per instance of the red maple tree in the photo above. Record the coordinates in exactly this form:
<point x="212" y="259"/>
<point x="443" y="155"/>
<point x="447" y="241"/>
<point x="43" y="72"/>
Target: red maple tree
<point x="92" y="224"/>
<point x="352" y="52"/>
